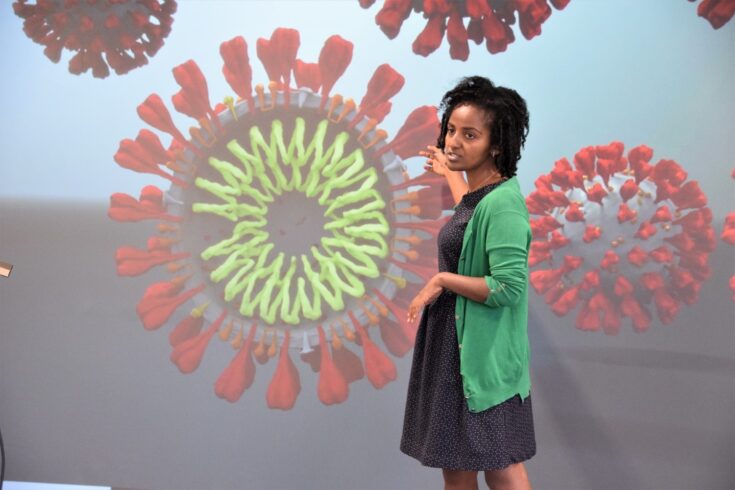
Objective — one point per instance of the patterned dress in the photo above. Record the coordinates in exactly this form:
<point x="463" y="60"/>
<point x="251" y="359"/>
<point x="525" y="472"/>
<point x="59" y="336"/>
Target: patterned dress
<point x="438" y="428"/>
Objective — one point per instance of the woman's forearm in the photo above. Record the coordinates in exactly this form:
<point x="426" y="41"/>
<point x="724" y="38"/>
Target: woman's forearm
<point x="457" y="185"/>
<point x="474" y="288"/>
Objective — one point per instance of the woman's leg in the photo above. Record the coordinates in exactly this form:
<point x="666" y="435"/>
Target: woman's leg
<point x="513" y="477"/>
<point x="459" y="480"/>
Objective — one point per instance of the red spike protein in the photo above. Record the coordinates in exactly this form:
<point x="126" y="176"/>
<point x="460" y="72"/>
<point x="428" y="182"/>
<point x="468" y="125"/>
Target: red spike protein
<point x="288" y="222"/>
<point x="117" y="34"/>
<point x="728" y="236"/>
<point x="488" y="20"/>
<point x="717" y="12"/>
<point x="615" y="234"/>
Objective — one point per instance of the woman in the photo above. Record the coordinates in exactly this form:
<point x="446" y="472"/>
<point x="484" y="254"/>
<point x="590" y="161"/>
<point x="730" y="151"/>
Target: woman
<point x="468" y="407"/>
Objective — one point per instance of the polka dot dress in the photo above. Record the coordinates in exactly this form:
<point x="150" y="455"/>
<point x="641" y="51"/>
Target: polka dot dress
<point x="438" y="428"/>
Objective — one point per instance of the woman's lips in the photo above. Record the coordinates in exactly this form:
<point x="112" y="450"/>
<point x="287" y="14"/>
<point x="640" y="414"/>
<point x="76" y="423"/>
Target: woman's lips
<point x="452" y="157"/>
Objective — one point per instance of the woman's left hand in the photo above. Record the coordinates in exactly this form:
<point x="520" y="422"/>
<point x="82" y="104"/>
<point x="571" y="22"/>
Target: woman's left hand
<point x="427" y="295"/>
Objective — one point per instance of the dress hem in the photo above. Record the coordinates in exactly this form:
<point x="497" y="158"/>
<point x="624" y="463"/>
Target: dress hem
<point x="436" y="463"/>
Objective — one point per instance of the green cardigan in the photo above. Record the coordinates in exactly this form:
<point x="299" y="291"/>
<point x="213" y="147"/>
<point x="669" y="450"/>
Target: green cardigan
<point x="493" y="338"/>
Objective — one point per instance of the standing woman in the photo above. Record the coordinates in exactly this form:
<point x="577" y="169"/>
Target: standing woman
<point x="469" y="407"/>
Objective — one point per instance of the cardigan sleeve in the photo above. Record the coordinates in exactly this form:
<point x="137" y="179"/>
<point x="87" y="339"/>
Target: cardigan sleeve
<point x="506" y="244"/>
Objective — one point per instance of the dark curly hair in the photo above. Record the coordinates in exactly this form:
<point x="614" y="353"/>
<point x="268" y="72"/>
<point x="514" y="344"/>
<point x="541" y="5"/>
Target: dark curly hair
<point x="507" y="118"/>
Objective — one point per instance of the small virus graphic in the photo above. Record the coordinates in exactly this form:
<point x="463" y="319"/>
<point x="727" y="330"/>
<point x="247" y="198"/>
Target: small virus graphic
<point x="117" y="34"/>
<point x="717" y="12"/>
<point x="288" y="222"/>
<point x="615" y="234"/>
<point x="728" y="236"/>
<point x="490" y="20"/>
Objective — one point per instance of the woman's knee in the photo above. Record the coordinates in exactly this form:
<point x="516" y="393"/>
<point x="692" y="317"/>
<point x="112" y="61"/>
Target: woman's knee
<point x="513" y="476"/>
<point x="460" y="479"/>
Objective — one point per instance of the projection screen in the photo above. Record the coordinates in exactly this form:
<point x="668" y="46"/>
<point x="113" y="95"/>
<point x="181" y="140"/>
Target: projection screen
<point x="217" y="217"/>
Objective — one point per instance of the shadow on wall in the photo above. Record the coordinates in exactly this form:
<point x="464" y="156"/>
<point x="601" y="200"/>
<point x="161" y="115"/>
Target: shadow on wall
<point x="555" y="383"/>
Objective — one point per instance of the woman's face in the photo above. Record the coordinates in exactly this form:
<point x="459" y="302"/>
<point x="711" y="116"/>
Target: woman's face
<point x="467" y="143"/>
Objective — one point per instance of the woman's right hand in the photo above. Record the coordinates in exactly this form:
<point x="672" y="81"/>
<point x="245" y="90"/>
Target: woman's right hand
<point x="436" y="161"/>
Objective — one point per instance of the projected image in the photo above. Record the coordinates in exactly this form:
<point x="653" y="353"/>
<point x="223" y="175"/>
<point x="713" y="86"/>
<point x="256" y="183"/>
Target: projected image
<point x="717" y="12"/>
<point x="117" y="34"/>
<point x="619" y="236"/>
<point x="475" y="20"/>
<point x="288" y="223"/>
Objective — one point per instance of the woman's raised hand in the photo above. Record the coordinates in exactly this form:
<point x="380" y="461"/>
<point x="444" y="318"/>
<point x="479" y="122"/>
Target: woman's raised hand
<point x="436" y="161"/>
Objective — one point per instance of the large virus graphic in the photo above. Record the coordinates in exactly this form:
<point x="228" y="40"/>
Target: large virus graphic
<point x="619" y="236"/>
<point x="290" y="222"/>
<point x="104" y="34"/>
<point x="465" y="20"/>
<point x="728" y="236"/>
<point x="717" y="12"/>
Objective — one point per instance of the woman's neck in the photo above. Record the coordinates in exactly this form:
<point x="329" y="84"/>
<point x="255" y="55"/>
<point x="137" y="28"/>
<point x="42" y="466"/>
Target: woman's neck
<point x="475" y="182"/>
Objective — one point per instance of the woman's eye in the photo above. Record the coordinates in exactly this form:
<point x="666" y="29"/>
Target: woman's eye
<point x="469" y="136"/>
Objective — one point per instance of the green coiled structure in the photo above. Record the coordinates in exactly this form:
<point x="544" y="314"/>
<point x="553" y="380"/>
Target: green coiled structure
<point x="354" y="235"/>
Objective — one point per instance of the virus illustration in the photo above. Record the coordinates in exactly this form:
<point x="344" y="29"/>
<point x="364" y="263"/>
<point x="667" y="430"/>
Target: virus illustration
<point x="728" y="236"/>
<point x="615" y="234"/>
<point x="117" y="34"/>
<point x="290" y="222"/>
<point x="717" y="12"/>
<point x="465" y="20"/>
